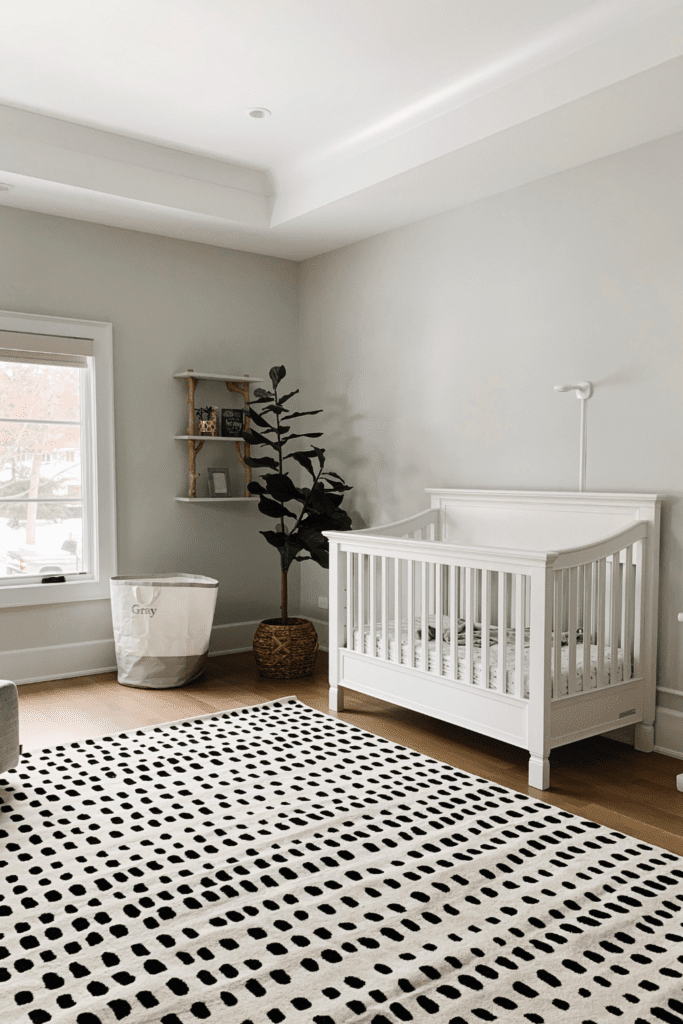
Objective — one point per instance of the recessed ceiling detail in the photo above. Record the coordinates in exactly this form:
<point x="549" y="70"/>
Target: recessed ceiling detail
<point x="386" y="112"/>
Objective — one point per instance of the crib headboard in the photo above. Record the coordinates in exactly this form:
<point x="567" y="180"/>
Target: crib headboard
<point x="539" y="520"/>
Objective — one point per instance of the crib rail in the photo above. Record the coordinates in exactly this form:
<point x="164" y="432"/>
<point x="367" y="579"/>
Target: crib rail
<point x="422" y="526"/>
<point x="458" y="622"/>
<point x="598" y="613"/>
<point x="464" y="614"/>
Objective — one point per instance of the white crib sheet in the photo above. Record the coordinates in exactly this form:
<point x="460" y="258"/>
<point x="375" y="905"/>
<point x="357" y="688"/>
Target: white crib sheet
<point x="477" y="670"/>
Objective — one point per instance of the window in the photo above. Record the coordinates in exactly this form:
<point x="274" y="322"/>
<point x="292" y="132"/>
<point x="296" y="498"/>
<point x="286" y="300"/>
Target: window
<point x="57" y="502"/>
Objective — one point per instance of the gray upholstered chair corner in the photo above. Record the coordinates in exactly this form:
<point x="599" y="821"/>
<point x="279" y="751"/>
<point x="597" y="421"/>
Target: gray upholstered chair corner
<point x="9" y="725"/>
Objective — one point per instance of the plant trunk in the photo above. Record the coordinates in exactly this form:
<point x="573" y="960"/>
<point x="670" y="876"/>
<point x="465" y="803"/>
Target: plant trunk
<point x="283" y="605"/>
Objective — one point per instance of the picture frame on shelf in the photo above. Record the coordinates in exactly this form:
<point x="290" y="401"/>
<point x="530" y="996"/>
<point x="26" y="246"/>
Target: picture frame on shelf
<point x="219" y="482"/>
<point x="232" y="423"/>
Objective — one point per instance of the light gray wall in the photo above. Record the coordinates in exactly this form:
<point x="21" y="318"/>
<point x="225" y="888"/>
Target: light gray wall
<point x="174" y="305"/>
<point x="434" y="349"/>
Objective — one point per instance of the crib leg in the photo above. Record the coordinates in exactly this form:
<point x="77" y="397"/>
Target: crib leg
<point x="539" y="771"/>
<point x="336" y="698"/>
<point x="645" y="737"/>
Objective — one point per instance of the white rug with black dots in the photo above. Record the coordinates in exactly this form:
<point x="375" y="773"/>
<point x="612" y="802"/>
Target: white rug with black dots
<point x="275" y="864"/>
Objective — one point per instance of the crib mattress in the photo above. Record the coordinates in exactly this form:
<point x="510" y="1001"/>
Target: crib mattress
<point x="586" y="680"/>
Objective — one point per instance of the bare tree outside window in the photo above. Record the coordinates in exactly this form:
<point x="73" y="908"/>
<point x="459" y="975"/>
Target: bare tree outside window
<point x="40" y="448"/>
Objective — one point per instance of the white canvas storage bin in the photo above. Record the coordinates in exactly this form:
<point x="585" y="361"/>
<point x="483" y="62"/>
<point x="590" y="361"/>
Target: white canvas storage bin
<point x="162" y="627"/>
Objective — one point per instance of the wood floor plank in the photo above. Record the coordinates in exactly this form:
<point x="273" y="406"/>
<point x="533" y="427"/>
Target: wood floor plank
<point x="599" y="779"/>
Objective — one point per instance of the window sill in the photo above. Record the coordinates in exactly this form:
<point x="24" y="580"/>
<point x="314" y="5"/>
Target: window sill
<point x="21" y="595"/>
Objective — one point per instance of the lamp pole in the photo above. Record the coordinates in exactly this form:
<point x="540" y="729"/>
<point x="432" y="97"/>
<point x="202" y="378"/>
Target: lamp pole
<point x="584" y="390"/>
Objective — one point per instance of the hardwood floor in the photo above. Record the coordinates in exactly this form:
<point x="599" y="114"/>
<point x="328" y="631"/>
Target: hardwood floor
<point x="599" y="779"/>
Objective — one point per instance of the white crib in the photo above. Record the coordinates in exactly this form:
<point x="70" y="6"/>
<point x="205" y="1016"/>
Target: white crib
<point x="527" y="616"/>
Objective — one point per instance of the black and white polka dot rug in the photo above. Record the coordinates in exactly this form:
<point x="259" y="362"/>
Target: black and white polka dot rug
<point x="275" y="864"/>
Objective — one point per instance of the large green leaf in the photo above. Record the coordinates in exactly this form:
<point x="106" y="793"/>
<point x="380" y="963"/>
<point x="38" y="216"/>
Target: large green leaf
<point x="319" y="454"/>
<point x="303" y="460"/>
<point x="281" y="487"/>
<point x="273" y="509"/>
<point x="275" y="537"/>
<point x="252" y="437"/>
<point x="255" y="487"/>
<point x="292" y="436"/>
<point x="316" y="545"/>
<point x="261" y="396"/>
<point x="313" y="539"/>
<point x="263" y="463"/>
<point x="338" y="519"/>
<point x="259" y="420"/>
<point x="335" y="499"/>
<point x="276" y="374"/>
<point x="290" y="550"/>
<point x="293" y="415"/>
<point x="323" y="502"/>
<point x="337" y="485"/>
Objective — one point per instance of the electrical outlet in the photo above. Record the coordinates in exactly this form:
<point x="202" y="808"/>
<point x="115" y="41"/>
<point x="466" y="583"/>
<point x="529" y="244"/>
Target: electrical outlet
<point x="323" y="602"/>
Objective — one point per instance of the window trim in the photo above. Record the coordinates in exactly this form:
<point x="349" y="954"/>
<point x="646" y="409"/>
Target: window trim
<point x="96" y="587"/>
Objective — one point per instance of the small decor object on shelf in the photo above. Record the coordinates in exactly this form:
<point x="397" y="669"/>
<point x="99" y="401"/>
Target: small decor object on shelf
<point x="232" y="423"/>
<point x="219" y="483"/>
<point x="286" y="648"/>
<point x="208" y="423"/>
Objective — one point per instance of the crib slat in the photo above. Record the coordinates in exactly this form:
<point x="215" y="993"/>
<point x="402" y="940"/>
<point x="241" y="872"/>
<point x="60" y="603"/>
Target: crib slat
<point x="360" y="568"/>
<point x="572" y="685"/>
<point x="639" y="611"/>
<point x="587" y="633"/>
<point x="372" y="610"/>
<point x="557" y="632"/>
<point x="398" y="608"/>
<point x="384" y="599"/>
<point x="600" y="616"/>
<point x="350" y="590"/>
<point x="424" y="579"/>
<point x="485" y="626"/>
<point x="410" y="583"/>
<point x="453" y="615"/>
<point x="627" y="628"/>
<point x="469" y="625"/>
<point x="502" y="631"/>
<point x="615" y="617"/>
<point x="438" y="617"/>
<point x="520" y="603"/>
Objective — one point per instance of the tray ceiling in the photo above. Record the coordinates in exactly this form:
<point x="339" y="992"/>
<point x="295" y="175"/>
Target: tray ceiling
<point x="135" y="114"/>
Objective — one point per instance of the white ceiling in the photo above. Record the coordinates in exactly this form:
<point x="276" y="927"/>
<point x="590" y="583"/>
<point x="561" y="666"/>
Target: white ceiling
<point x="133" y="112"/>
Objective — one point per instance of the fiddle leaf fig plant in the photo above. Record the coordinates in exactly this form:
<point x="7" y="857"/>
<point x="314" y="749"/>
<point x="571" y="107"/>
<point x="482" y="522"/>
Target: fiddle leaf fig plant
<point x="302" y="512"/>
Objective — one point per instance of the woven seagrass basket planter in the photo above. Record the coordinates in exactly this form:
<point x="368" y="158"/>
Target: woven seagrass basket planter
<point x="285" y="652"/>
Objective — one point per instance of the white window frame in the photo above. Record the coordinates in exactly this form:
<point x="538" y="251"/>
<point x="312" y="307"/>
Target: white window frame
<point x="94" y="585"/>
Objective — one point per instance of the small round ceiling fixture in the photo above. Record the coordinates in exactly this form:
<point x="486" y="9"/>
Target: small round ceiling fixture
<point x="258" y="112"/>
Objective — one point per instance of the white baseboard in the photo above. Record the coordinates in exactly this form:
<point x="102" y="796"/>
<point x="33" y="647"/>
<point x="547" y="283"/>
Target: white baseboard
<point x="93" y="657"/>
<point x="232" y="638"/>
<point x="669" y="732"/>
<point x="237" y="636"/>
<point x="323" y="631"/>
<point x="60" y="661"/>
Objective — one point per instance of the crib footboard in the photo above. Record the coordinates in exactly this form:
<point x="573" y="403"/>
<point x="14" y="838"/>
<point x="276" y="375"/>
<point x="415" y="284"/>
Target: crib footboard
<point x="531" y="648"/>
